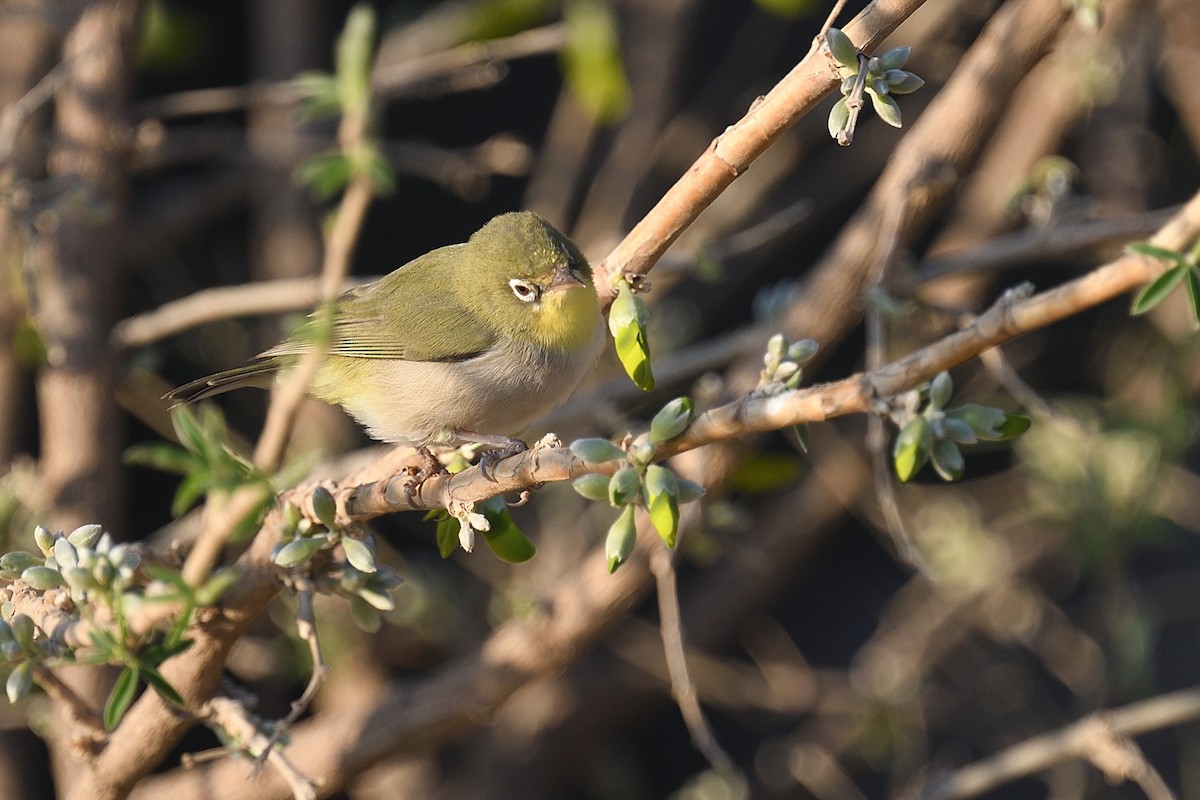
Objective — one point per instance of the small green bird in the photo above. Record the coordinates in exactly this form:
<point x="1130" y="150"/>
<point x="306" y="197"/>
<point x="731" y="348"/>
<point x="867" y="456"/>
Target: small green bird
<point x="467" y="343"/>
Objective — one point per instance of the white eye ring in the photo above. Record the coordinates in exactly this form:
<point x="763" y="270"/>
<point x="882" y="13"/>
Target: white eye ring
<point x="525" y="291"/>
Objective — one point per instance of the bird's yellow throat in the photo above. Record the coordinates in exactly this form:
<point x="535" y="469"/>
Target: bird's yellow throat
<point x="568" y="319"/>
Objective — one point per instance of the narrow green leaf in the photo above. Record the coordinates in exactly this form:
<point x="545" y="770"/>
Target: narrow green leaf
<point x="662" y="501"/>
<point x="1154" y="251"/>
<point x="911" y="449"/>
<point x="1014" y="425"/>
<point x="505" y="539"/>
<point x="634" y="353"/>
<point x="591" y="60"/>
<point x="447" y="535"/>
<point x="161" y="456"/>
<point x="191" y="489"/>
<point x="216" y="586"/>
<point x="620" y="540"/>
<point x="1193" y="289"/>
<point x="159" y="684"/>
<point x="121" y="697"/>
<point x="1157" y="290"/>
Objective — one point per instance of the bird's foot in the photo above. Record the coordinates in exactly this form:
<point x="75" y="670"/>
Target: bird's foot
<point x="489" y="458"/>
<point x="430" y="466"/>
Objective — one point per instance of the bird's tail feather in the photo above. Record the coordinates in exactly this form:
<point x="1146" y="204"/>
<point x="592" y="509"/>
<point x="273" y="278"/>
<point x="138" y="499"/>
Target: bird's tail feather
<point x="259" y="374"/>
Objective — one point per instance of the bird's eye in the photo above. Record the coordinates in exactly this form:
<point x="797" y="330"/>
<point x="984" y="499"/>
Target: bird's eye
<point x="525" y="291"/>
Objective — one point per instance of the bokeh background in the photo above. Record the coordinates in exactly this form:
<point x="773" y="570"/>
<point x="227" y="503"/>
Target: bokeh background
<point x="1067" y="564"/>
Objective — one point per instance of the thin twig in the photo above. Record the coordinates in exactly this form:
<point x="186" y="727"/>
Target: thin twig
<point x="15" y="115"/>
<point x="306" y="629"/>
<point x="232" y="717"/>
<point x="81" y="712"/>
<point x="1074" y="741"/>
<point x="833" y="15"/>
<point x="683" y="689"/>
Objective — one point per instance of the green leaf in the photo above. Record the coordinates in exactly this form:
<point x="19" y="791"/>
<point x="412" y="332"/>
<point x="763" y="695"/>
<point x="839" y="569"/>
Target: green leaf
<point x="911" y="449"/>
<point x="940" y="390"/>
<point x="365" y="615"/>
<point x="662" y="501"/>
<point x="634" y="353"/>
<point x="947" y="459"/>
<point x="299" y="552"/>
<point x="85" y="535"/>
<point x="42" y="578"/>
<point x="191" y="489"/>
<point x="380" y="598"/>
<point x="839" y="117"/>
<point x="842" y="48"/>
<point x="159" y="684"/>
<point x="1154" y="251"/>
<point x="886" y="108"/>
<point x="672" y="420"/>
<point x="121" y="697"/>
<point x="759" y="472"/>
<point x="788" y="9"/>
<point x="901" y="82"/>
<point x="504" y="537"/>
<point x="321" y="93"/>
<point x="894" y="58"/>
<point x="960" y="431"/>
<point x="161" y="456"/>
<point x="591" y="60"/>
<point x="689" y="491"/>
<point x="325" y="174"/>
<point x="624" y="487"/>
<point x="799" y="436"/>
<point x="447" y="535"/>
<point x="216" y="586"/>
<point x="596" y="451"/>
<point x="1193" y="289"/>
<point x="353" y="57"/>
<point x="13" y="564"/>
<point x="359" y="554"/>
<point x="20" y="681"/>
<point x="325" y="507"/>
<point x="1014" y="425"/>
<point x="1157" y="290"/>
<point x="984" y="420"/>
<point x="620" y="540"/>
<point x="593" y="486"/>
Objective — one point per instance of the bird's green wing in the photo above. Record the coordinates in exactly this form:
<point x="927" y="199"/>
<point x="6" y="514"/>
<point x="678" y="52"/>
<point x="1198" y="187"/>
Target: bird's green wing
<point x="410" y="314"/>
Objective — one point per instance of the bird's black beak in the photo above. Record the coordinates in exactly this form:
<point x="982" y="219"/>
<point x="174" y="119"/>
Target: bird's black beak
<point x="564" y="278"/>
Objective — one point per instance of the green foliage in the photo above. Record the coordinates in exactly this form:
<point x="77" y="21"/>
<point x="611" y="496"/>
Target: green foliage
<point x="882" y="79"/>
<point x="627" y="323"/>
<point x="591" y="60"/>
<point x="671" y="420"/>
<point x="596" y="451"/>
<point x="503" y="536"/>
<point x="782" y="370"/>
<point x="491" y="19"/>
<point x="1184" y="268"/>
<point x="788" y="9"/>
<point x="622" y="536"/>
<point x="206" y="461"/>
<point x="936" y="433"/>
